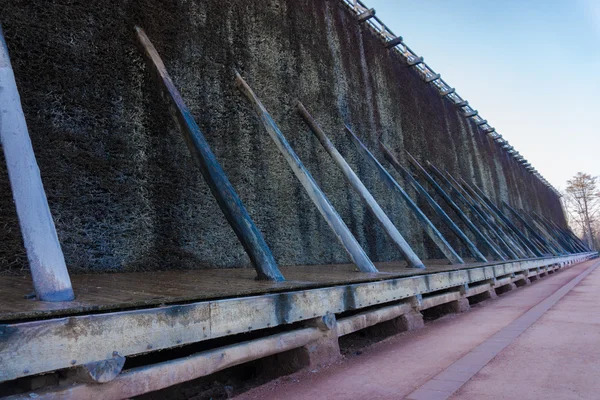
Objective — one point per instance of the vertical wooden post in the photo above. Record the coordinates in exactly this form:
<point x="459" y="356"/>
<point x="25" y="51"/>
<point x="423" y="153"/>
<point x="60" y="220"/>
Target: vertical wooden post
<point x="391" y="183"/>
<point x="409" y="255"/>
<point x="46" y="261"/>
<point x="226" y="196"/>
<point x="434" y="205"/>
<point x="357" y="254"/>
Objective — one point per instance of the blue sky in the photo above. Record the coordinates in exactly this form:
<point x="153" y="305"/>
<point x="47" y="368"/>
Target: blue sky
<point x="531" y="68"/>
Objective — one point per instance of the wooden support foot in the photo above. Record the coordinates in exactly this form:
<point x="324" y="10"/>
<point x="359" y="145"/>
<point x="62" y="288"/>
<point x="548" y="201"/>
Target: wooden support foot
<point x="326" y="350"/>
<point x="100" y="371"/>
<point x="317" y="353"/>
<point x="406" y="322"/>
<point x="506" y="288"/>
<point x="411" y="321"/>
<point x="491" y="294"/>
<point x="522" y="282"/>
<point x="460" y="305"/>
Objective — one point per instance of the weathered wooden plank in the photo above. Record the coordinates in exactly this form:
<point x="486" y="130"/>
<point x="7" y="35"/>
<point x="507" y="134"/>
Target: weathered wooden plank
<point x="434" y="205"/>
<point x="391" y="183"/>
<point x="140" y="380"/>
<point x="366" y="197"/>
<point x="73" y="341"/>
<point x="46" y="261"/>
<point x="137" y="381"/>
<point x="447" y="280"/>
<point x="117" y="291"/>
<point x="78" y="340"/>
<point x="351" y="245"/>
<point x="478" y="234"/>
<point x="475" y="290"/>
<point x="432" y="301"/>
<point x="226" y="196"/>
<point x="363" y="320"/>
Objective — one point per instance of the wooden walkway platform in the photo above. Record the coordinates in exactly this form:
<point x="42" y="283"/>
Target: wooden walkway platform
<point x="121" y="291"/>
<point x="116" y="316"/>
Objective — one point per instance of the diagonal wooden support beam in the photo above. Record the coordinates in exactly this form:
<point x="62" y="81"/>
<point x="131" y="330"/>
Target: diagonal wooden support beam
<point x="574" y="239"/>
<point x="478" y="234"/>
<point x="391" y="183"/>
<point x="228" y="200"/>
<point x="479" y="214"/>
<point x="368" y="199"/>
<point x="494" y="220"/>
<point x="524" y="240"/>
<point x="46" y="260"/>
<point x="567" y="235"/>
<point x="557" y="234"/>
<point x="548" y="235"/>
<point x="533" y="232"/>
<point x="432" y="203"/>
<point x="506" y="223"/>
<point x="481" y="207"/>
<point x="357" y="254"/>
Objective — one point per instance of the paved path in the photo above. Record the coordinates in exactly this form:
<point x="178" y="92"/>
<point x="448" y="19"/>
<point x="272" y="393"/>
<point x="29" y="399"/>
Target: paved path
<point x="556" y="356"/>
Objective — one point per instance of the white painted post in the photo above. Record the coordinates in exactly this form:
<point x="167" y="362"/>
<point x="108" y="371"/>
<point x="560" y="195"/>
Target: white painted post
<point x="46" y="261"/>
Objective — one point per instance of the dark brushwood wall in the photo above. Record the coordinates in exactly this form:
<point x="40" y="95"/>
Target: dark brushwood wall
<point x="122" y="186"/>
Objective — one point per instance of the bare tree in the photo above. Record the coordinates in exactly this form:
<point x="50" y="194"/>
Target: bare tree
<point x="582" y="202"/>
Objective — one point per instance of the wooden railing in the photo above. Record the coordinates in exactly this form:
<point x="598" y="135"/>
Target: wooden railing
<point x="396" y="43"/>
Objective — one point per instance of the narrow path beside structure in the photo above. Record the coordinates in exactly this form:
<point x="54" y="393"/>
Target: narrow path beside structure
<point x="406" y="365"/>
<point x="558" y="357"/>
